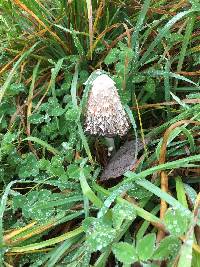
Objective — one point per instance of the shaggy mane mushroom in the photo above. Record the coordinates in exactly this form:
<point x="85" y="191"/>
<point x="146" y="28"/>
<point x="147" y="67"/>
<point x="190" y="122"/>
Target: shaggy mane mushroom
<point x="105" y="115"/>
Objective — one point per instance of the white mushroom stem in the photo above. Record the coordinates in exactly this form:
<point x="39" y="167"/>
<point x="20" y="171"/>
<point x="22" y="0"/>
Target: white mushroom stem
<point x="111" y="145"/>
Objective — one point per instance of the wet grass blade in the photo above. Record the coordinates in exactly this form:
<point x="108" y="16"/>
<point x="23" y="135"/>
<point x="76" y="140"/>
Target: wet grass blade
<point x="87" y="191"/>
<point x="54" y="74"/>
<point x="75" y="104"/>
<point x="186" y="40"/>
<point x="59" y="251"/>
<point x="180" y="191"/>
<point x="49" y="242"/>
<point x="2" y="210"/>
<point x="137" y="29"/>
<point x="163" y="33"/>
<point x="43" y="144"/>
<point x="15" y="67"/>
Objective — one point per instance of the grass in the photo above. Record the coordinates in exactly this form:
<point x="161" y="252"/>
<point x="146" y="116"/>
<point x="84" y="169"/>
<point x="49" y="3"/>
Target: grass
<point x="54" y="211"/>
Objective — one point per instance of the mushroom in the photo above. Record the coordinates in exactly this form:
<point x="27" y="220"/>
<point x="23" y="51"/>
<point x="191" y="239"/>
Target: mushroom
<point x="105" y="115"/>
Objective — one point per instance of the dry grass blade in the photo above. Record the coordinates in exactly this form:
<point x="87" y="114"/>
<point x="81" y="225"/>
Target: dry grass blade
<point x="31" y="13"/>
<point x="90" y="20"/>
<point x="162" y="159"/>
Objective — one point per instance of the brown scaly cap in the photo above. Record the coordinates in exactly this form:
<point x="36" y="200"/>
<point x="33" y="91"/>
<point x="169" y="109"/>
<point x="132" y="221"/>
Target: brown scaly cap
<point x="105" y="115"/>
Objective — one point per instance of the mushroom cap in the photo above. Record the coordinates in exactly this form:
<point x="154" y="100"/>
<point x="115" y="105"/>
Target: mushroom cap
<point x="103" y="80"/>
<point x="105" y="115"/>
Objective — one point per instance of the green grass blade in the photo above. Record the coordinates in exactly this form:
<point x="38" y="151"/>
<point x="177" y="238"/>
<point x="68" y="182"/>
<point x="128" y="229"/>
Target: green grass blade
<point x="74" y="85"/>
<point x="155" y="73"/>
<point x="54" y="74"/>
<point x="58" y="252"/>
<point x="77" y="43"/>
<point x="2" y="210"/>
<point x="49" y="242"/>
<point x="167" y="85"/>
<point x="158" y="192"/>
<point x="84" y="141"/>
<point x="183" y="115"/>
<point x="190" y="138"/>
<point x="138" y="27"/>
<point x="169" y="165"/>
<point x="43" y="144"/>
<point x="191" y="193"/>
<point x="163" y="33"/>
<point x="178" y="100"/>
<point x="180" y="191"/>
<point x="87" y="191"/>
<point x="75" y="104"/>
<point x="15" y="67"/>
<point x="145" y="225"/>
<point x="185" y="259"/>
<point x="186" y="40"/>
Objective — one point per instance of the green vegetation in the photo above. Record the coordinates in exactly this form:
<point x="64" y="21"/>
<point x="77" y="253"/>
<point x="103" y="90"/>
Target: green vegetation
<point x="53" y="209"/>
